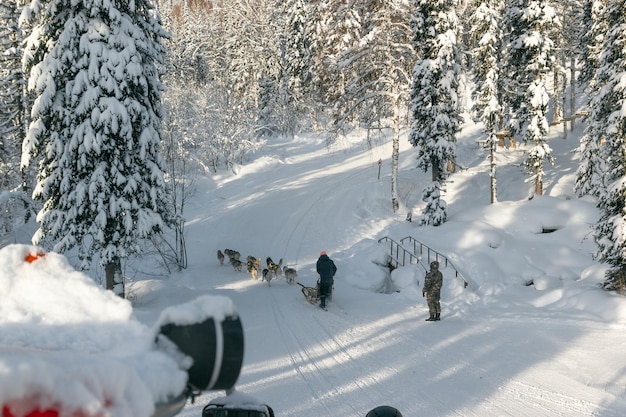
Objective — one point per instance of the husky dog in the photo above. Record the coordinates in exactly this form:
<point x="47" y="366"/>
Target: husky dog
<point x="290" y="274"/>
<point x="254" y="264"/>
<point x="232" y="254"/>
<point x="279" y="267"/>
<point x="267" y="276"/>
<point x="274" y="267"/>
<point x="220" y="257"/>
<point x="236" y="263"/>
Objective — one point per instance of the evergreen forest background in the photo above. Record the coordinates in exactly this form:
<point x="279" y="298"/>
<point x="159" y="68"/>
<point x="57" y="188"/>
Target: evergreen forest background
<point x="109" y="109"/>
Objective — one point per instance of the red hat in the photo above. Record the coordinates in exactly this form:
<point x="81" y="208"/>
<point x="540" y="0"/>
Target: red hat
<point x="323" y="253"/>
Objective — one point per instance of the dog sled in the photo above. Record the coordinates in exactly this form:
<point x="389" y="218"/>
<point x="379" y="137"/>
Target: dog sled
<point x="312" y="294"/>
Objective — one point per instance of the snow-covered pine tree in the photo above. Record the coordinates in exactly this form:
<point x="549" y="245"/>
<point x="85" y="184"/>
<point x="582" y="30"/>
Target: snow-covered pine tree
<point x="321" y="78"/>
<point x="590" y="39"/>
<point x="267" y="119"/>
<point x="485" y="45"/>
<point x="591" y="171"/>
<point x="95" y="127"/>
<point x="435" y="211"/>
<point x="435" y="103"/>
<point x="276" y="111"/>
<point x="607" y="113"/>
<point x="298" y="47"/>
<point x="592" y="167"/>
<point x="530" y="59"/>
<point x="340" y="27"/>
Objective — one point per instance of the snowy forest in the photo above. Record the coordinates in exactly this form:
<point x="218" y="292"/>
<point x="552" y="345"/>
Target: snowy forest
<point x="110" y="108"/>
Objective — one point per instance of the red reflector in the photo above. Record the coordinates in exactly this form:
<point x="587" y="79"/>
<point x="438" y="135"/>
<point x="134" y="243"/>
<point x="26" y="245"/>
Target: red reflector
<point x="30" y="258"/>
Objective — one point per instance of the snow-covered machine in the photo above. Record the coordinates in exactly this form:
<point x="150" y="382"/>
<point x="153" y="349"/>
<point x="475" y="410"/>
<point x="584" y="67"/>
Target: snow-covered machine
<point x="71" y="348"/>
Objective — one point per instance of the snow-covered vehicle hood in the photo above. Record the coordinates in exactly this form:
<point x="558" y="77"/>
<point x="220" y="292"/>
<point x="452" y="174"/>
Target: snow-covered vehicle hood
<point x="70" y="346"/>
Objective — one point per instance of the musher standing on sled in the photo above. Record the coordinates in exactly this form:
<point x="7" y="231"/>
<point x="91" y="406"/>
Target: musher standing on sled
<point x="432" y="291"/>
<point x="327" y="269"/>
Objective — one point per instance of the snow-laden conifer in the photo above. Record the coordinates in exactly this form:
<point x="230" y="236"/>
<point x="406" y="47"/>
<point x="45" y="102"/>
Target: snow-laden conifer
<point x="436" y="210"/>
<point x="530" y="58"/>
<point x="591" y="171"/>
<point x="339" y="27"/>
<point x="298" y="37"/>
<point x="485" y="42"/>
<point x="591" y="37"/>
<point x="608" y="115"/>
<point x="435" y="102"/>
<point x="95" y="125"/>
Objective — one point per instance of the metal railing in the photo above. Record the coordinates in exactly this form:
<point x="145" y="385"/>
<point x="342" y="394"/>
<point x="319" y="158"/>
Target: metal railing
<point x="419" y="251"/>
<point x="399" y="254"/>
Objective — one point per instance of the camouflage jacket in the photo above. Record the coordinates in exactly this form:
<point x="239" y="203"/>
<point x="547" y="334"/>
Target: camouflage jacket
<point x="433" y="282"/>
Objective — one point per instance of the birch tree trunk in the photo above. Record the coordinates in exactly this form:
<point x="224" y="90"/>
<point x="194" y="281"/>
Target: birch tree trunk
<point x="395" y="153"/>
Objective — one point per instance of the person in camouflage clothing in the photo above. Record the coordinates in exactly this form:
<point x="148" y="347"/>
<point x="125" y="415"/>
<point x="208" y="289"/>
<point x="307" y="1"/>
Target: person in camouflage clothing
<point x="432" y="291"/>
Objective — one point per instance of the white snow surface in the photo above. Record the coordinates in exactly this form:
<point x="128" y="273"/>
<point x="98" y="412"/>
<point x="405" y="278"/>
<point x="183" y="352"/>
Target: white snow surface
<point x="531" y="335"/>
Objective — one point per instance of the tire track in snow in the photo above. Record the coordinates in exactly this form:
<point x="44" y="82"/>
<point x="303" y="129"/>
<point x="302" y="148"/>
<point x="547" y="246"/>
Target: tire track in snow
<point x="304" y="363"/>
<point x="306" y="215"/>
<point x="546" y="401"/>
<point x="528" y="397"/>
<point x="317" y="355"/>
<point x="365" y="383"/>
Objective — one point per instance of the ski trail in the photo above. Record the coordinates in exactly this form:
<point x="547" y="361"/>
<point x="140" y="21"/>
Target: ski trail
<point x="306" y="366"/>
<point x="313" y="212"/>
<point x="322" y="360"/>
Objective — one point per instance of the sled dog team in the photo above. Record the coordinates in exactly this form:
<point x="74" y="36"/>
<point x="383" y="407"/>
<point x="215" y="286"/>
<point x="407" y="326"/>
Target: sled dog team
<point x="273" y="270"/>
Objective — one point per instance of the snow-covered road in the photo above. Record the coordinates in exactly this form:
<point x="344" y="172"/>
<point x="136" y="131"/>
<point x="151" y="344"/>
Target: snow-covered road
<point x="501" y="349"/>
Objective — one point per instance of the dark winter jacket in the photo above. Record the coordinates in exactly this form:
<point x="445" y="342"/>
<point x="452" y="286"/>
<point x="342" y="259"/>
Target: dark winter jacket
<point x="326" y="268"/>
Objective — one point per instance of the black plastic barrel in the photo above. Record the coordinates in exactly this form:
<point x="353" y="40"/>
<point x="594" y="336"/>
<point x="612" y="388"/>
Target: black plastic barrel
<point x="216" y="349"/>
